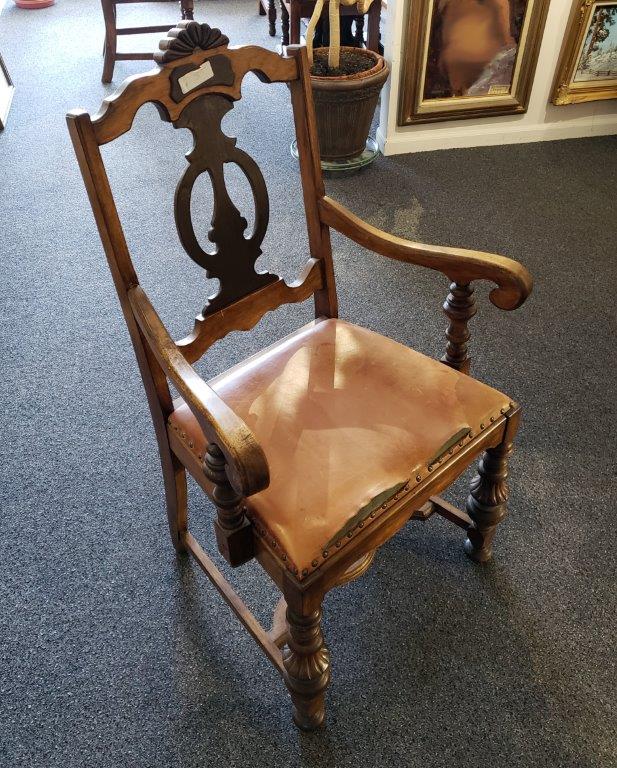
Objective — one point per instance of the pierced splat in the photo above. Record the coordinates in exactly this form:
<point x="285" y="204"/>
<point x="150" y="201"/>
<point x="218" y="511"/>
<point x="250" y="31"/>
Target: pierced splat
<point x="233" y="260"/>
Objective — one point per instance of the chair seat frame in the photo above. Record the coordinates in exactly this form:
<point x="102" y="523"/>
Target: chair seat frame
<point x="235" y="466"/>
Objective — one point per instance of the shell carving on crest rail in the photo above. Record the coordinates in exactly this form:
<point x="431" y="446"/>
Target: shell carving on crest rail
<point x="186" y="38"/>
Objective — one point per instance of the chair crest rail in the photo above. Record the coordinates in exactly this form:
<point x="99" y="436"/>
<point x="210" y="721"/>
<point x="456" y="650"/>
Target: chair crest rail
<point x="174" y="84"/>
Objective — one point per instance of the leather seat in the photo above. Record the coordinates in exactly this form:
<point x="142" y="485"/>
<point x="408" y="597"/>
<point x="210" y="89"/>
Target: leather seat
<point x="345" y="417"/>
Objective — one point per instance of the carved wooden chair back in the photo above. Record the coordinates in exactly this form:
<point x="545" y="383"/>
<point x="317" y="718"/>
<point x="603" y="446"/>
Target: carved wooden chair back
<point x="198" y="81"/>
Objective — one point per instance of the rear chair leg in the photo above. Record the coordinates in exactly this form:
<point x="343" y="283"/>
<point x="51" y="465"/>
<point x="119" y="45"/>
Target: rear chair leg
<point x="307" y="666"/>
<point x="486" y="504"/>
<point x="174" y="476"/>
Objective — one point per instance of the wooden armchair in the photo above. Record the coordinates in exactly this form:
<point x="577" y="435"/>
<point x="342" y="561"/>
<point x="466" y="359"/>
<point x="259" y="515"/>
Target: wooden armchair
<point x="320" y="448"/>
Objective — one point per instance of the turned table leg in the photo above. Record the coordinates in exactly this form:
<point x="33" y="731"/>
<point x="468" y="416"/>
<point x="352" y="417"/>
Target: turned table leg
<point x="284" y="24"/>
<point x="187" y="8"/>
<point x="272" y="17"/>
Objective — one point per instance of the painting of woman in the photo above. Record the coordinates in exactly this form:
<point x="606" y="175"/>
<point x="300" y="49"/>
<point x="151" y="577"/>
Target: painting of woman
<point x="472" y="48"/>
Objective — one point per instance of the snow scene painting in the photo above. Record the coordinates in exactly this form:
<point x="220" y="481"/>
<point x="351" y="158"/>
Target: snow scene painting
<point x="598" y="59"/>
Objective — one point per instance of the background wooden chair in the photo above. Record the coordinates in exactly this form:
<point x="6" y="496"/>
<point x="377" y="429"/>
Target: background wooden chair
<point x="318" y="450"/>
<point x="110" y="54"/>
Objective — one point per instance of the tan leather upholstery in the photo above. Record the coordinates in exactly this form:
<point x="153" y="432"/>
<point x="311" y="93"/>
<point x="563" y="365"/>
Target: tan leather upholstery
<point x="345" y="416"/>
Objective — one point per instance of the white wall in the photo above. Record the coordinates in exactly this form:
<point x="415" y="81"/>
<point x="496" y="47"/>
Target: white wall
<point x="541" y="122"/>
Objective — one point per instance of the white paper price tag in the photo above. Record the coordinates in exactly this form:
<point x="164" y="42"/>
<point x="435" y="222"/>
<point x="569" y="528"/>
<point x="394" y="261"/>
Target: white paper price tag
<point x="195" y="78"/>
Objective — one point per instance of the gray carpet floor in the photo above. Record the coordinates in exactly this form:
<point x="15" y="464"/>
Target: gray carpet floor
<point x="115" y="653"/>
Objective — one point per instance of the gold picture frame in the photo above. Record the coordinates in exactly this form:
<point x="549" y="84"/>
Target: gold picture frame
<point x="469" y="58"/>
<point x="590" y="43"/>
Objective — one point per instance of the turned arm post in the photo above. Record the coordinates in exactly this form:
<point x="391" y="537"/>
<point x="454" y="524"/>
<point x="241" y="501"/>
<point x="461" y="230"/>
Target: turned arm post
<point x="460" y="307"/>
<point x="234" y="535"/>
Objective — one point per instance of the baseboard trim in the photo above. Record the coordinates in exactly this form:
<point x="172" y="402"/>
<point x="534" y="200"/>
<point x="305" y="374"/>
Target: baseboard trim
<point x="454" y="138"/>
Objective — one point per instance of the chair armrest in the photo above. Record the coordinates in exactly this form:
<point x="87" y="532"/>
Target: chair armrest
<point x="458" y="264"/>
<point x="246" y="463"/>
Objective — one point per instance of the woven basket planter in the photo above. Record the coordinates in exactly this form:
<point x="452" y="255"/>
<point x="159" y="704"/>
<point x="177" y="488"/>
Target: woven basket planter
<point x="344" y="107"/>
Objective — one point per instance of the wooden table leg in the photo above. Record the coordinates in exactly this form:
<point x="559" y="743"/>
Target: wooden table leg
<point x="359" y="36"/>
<point x="294" y="22"/>
<point x="374" y="14"/>
<point x="272" y="17"/>
<point x="187" y="8"/>
<point x="284" y="24"/>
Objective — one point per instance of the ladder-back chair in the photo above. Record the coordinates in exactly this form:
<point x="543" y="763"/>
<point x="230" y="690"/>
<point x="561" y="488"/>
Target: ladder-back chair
<point x="319" y="449"/>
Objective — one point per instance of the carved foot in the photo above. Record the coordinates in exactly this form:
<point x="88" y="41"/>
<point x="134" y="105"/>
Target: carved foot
<point x="486" y="504"/>
<point x="307" y="666"/>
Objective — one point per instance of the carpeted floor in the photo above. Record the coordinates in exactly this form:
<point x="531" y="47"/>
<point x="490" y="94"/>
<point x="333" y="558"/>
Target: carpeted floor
<point x="112" y="652"/>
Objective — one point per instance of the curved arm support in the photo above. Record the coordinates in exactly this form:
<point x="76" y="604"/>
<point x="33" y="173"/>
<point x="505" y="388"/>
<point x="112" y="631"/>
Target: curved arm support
<point x="458" y="264"/>
<point x="247" y="466"/>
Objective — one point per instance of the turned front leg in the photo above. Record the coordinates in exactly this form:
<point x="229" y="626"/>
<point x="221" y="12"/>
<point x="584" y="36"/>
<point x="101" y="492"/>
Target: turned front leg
<point x="460" y="307"/>
<point x="486" y="504"/>
<point x="307" y="668"/>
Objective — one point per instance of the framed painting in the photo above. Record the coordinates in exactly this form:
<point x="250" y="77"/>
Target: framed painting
<point x="6" y="93"/>
<point x="587" y="69"/>
<point x="469" y="58"/>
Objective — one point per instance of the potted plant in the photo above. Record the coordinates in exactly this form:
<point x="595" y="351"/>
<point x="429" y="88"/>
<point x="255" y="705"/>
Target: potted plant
<point x="346" y="84"/>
